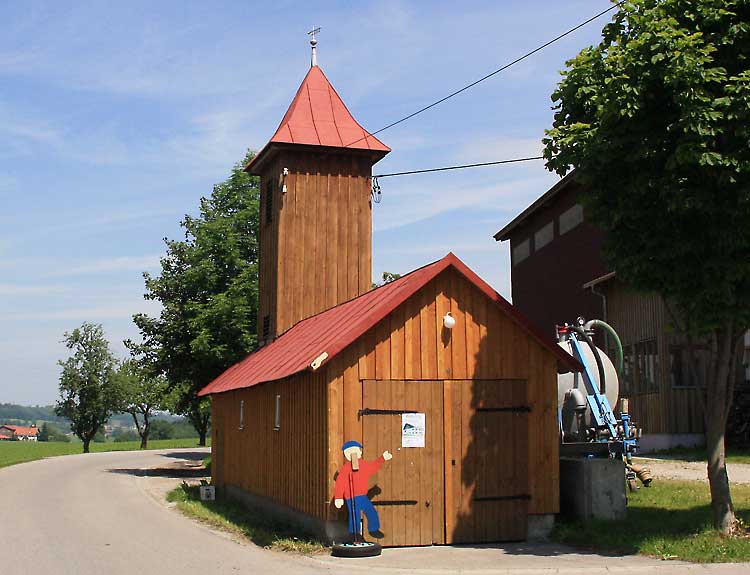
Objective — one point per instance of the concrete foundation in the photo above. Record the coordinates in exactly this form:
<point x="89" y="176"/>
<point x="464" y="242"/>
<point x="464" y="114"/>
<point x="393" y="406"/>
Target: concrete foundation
<point x="592" y="488"/>
<point x="540" y="527"/>
<point x="327" y="531"/>
<point x="651" y="442"/>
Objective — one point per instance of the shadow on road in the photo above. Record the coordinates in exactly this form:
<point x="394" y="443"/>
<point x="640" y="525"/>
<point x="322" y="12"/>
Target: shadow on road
<point x="171" y="472"/>
<point x="191" y="455"/>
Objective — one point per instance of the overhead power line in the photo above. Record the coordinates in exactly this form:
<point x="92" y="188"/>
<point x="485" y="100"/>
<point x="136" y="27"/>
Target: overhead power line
<point x="461" y="167"/>
<point x="491" y="74"/>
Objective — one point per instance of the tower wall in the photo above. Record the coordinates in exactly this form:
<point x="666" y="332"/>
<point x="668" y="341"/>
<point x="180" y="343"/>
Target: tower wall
<point x="316" y="239"/>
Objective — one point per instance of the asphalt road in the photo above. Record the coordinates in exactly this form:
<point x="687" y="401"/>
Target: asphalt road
<point x="89" y="515"/>
<point x="98" y="514"/>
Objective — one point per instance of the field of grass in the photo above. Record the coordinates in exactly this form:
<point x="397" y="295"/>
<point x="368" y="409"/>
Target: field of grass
<point x="13" y="452"/>
<point x="238" y="520"/>
<point x="670" y="520"/>
<point x="699" y="454"/>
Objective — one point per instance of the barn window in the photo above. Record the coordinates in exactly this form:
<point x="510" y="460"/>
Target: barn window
<point x="570" y="218"/>
<point x="544" y="235"/>
<point x="647" y="361"/>
<point x="521" y="251"/>
<point x="277" y="415"/>
<point x="627" y="384"/>
<point x="680" y="373"/>
<point x="242" y="414"/>
<point x="269" y="202"/>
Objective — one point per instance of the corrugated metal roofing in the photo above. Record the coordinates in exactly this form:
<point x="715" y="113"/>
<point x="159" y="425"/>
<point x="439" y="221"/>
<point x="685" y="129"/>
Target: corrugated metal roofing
<point x="318" y="117"/>
<point x="333" y="330"/>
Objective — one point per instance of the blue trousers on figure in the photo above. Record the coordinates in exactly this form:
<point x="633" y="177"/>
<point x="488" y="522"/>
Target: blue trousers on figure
<point x="362" y="503"/>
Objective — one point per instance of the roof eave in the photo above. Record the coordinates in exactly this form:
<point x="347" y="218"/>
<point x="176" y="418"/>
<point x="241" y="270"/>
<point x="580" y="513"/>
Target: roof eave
<point x="255" y="166"/>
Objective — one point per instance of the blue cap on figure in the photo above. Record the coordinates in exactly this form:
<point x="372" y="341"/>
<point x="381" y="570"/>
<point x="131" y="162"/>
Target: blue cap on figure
<point x="349" y="444"/>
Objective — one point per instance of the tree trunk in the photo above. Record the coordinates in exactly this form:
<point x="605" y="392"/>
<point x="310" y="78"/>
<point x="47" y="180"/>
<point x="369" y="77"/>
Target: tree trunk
<point x="86" y="443"/>
<point x="202" y="437"/>
<point x="719" y="391"/>
<point x="144" y="431"/>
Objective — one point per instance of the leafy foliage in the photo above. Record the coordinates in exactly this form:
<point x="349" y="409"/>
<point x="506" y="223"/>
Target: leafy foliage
<point x="141" y="395"/>
<point x="656" y="120"/>
<point x="208" y="288"/>
<point x="88" y="390"/>
<point x="49" y="432"/>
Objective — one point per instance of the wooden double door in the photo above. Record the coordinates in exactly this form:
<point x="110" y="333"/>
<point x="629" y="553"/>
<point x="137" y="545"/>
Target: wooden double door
<point x="469" y="483"/>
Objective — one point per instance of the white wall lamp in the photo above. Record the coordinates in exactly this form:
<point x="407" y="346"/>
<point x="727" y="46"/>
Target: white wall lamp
<point x="449" y="321"/>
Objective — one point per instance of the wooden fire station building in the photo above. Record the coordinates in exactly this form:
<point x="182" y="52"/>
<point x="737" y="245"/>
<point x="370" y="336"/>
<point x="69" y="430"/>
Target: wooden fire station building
<point x="341" y="361"/>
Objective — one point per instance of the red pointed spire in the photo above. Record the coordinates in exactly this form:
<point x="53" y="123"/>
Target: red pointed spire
<point x="318" y="117"/>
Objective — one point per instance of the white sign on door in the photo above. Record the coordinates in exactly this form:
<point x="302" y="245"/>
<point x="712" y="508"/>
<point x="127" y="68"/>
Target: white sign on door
<point x="412" y="429"/>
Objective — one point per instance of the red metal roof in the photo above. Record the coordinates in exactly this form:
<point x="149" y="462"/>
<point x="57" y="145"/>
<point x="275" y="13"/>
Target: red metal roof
<point x="333" y="330"/>
<point x="318" y="117"/>
<point x="20" y="430"/>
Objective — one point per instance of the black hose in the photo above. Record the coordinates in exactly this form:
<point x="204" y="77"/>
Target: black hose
<point x="600" y="366"/>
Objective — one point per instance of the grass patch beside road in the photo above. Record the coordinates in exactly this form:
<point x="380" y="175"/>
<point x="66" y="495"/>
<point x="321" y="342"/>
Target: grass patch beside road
<point x="13" y="452"/>
<point x="238" y="520"/>
<point x="670" y="520"/>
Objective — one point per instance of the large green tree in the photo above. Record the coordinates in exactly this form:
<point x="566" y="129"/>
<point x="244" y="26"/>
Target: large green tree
<point x="142" y="393"/>
<point x="656" y="121"/>
<point x="89" y="393"/>
<point x="208" y="288"/>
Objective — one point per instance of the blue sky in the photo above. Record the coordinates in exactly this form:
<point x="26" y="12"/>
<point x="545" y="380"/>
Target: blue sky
<point x="116" y="117"/>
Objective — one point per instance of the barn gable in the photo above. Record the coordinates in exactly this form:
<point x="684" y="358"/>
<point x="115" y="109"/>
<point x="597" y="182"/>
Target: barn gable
<point x="327" y="334"/>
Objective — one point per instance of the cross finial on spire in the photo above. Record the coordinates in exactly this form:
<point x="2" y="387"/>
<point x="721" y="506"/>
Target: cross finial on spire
<point x="314" y="43"/>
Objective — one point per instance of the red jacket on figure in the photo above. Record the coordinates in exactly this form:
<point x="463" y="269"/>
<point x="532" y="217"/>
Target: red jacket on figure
<point x="359" y="484"/>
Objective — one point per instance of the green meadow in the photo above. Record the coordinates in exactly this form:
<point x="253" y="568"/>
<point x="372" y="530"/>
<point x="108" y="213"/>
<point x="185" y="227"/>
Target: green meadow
<point x="13" y="452"/>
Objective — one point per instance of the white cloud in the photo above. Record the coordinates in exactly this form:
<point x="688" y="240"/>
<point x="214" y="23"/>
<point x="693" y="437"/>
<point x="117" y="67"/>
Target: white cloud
<point x="124" y="263"/>
<point x="94" y="313"/>
<point x="31" y="290"/>
<point x="411" y="203"/>
<point x="496" y="148"/>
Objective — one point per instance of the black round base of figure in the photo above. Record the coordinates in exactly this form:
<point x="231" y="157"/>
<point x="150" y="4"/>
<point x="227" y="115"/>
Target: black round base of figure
<point x="358" y="549"/>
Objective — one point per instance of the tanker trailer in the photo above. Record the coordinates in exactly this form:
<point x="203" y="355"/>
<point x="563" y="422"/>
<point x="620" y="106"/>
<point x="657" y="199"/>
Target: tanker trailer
<point x="588" y="425"/>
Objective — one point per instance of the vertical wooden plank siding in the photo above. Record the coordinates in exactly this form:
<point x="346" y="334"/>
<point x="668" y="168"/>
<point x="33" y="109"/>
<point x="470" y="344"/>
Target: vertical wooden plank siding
<point x="286" y="466"/>
<point x="484" y="345"/>
<point x="640" y="317"/>
<point x="315" y="253"/>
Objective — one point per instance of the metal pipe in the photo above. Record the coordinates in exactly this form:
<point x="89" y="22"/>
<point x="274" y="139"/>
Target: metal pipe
<point x="618" y="344"/>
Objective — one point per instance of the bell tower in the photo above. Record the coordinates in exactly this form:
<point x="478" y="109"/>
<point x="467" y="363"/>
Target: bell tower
<point x="316" y="215"/>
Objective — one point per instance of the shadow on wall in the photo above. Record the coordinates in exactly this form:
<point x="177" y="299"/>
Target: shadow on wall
<point x="493" y="498"/>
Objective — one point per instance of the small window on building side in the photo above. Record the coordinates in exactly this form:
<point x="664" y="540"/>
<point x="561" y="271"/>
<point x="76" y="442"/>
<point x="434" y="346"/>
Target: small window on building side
<point x="647" y="357"/>
<point x="277" y="415"/>
<point x="544" y="235"/>
<point x="627" y="383"/>
<point x="269" y="203"/>
<point x="242" y="414"/>
<point x="570" y="218"/>
<point x="521" y="251"/>
<point x="681" y="373"/>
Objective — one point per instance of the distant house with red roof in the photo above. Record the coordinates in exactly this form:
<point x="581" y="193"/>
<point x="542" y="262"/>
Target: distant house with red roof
<point x="340" y="361"/>
<point x="18" y="433"/>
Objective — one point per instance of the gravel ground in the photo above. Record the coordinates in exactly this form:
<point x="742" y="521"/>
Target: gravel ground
<point x="691" y="470"/>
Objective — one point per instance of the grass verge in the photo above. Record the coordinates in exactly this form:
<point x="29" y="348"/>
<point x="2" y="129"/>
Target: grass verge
<point x="699" y="454"/>
<point x="238" y="520"/>
<point x="670" y="520"/>
<point x="13" y="452"/>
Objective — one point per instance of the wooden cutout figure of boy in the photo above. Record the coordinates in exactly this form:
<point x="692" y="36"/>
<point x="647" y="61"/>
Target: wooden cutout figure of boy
<point x="352" y="485"/>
